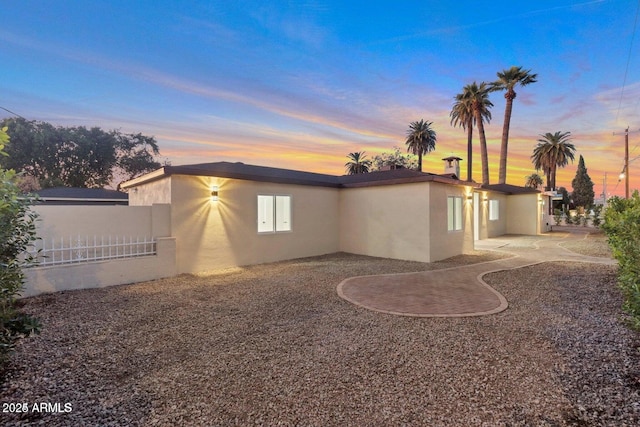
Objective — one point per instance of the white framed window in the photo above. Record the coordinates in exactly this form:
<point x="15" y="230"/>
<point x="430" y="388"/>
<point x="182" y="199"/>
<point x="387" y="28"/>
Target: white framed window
<point x="494" y="210"/>
<point x="454" y="213"/>
<point x="274" y="213"/>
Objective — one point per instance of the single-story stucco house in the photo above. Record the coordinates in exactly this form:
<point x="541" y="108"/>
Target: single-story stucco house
<point x="232" y="214"/>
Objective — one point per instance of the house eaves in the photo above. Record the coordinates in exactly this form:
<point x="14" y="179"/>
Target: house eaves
<point x="509" y="189"/>
<point x="287" y="176"/>
<point x="239" y="171"/>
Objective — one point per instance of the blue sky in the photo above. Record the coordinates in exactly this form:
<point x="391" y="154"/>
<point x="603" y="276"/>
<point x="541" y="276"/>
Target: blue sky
<point x="300" y="84"/>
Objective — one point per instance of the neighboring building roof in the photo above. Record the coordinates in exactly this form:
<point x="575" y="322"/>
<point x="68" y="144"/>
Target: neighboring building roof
<point x="287" y="176"/>
<point x="509" y="189"/>
<point x="82" y="196"/>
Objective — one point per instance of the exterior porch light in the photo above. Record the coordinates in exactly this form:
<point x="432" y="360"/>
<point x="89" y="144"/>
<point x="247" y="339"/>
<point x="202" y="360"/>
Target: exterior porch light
<point x="214" y="193"/>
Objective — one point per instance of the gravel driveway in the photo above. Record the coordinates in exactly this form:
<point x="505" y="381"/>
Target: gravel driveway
<point x="275" y="345"/>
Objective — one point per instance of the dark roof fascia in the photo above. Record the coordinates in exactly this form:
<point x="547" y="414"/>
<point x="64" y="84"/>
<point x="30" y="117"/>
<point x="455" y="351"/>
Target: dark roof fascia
<point x="409" y="180"/>
<point x="258" y="173"/>
<point x="509" y="189"/>
<point x="286" y="176"/>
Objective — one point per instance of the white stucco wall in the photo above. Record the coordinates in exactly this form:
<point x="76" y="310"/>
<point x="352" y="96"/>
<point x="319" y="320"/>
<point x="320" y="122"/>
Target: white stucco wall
<point x="158" y="191"/>
<point x="525" y="212"/>
<point x="64" y="221"/>
<point x="443" y="243"/>
<point x="496" y="227"/>
<point x="216" y="234"/>
<point x="390" y="221"/>
<point x="69" y="222"/>
<point x="99" y="274"/>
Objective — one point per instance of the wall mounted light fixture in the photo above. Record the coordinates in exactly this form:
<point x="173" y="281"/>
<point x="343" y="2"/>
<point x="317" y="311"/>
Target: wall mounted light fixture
<point x="214" y="193"/>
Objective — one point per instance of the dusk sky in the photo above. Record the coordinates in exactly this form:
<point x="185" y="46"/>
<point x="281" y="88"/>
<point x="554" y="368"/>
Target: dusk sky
<point x="300" y="84"/>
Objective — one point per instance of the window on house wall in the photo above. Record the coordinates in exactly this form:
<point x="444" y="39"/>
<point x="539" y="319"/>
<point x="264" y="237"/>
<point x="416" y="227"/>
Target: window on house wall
<point x="494" y="210"/>
<point x="454" y="213"/>
<point x="274" y="213"/>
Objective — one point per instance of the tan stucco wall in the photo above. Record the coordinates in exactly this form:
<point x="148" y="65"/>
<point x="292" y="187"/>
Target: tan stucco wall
<point x="151" y="192"/>
<point x="493" y="228"/>
<point x="65" y="221"/>
<point x="390" y="221"/>
<point x="103" y="273"/>
<point x="524" y="214"/>
<point x="217" y="234"/>
<point x="444" y="243"/>
<point x="56" y="222"/>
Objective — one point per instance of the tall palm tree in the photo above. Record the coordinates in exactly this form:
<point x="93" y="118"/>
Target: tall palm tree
<point x="553" y="150"/>
<point x="463" y="114"/>
<point x="507" y="81"/>
<point x="421" y="139"/>
<point x="357" y="163"/>
<point x="533" y="181"/>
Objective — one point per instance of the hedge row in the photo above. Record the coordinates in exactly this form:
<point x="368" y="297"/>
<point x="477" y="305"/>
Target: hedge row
<point x="622" y="226"/>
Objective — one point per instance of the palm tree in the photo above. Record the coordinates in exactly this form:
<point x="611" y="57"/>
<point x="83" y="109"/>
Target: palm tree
<point x="553" y="150"/>
<point x="533" y="181"/>
<point x="357" y="163"/>
<point x="421" y="139"/>
<point x="508" y="80"/>
<point x="463" y="114"/>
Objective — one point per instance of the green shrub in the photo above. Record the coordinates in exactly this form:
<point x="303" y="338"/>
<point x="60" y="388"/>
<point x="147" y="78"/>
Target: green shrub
<point x="568" y="219"/>
<point x="557" y="216"/>
<point x="17" y="232"/>
<point x="584" y="219"/>
<point x="622" y="226"/>
<point x="596" y="220"/>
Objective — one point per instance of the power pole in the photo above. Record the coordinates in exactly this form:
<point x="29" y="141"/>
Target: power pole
<point x="626" y="163"/>
<point x="625" y="169"/>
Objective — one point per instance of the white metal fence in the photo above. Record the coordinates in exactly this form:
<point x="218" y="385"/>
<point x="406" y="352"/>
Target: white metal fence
<point x="79" y="249"/>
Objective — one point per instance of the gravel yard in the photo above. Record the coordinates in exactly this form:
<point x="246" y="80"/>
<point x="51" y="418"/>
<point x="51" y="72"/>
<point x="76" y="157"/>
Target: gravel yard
<point x="275" y="345"/>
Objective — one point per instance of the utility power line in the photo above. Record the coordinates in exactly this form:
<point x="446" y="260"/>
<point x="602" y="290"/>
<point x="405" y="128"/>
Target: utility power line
<point x="626" y="70"/>
<point x="15" y="114"/>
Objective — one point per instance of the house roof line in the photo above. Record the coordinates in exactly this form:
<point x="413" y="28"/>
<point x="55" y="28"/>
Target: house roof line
<point x="509" y="189"/>
<point x="406" y="180"/>
<point x="288" y="176"/>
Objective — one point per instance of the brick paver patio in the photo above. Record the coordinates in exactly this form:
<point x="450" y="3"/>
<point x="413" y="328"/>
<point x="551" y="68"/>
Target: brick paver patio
<point x="459" y="291"/>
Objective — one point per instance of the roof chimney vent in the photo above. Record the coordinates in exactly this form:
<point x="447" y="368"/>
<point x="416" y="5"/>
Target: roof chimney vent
<point x="452" y="165"/>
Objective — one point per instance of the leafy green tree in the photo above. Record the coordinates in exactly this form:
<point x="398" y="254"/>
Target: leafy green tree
<point x="462" y="114"/>
<point x="421" y="139"/>
<point x="553" y="150"/>
<point x="358" y="163"/>
<point x="507" y="81"/>
<point x="583" y="194"/>
<point x="135" y="155"/>
<point x="17" y="232"/>
<point x="76" y="156"/>
<point x="394" y="160"/>
<point x="533" y="181"/>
